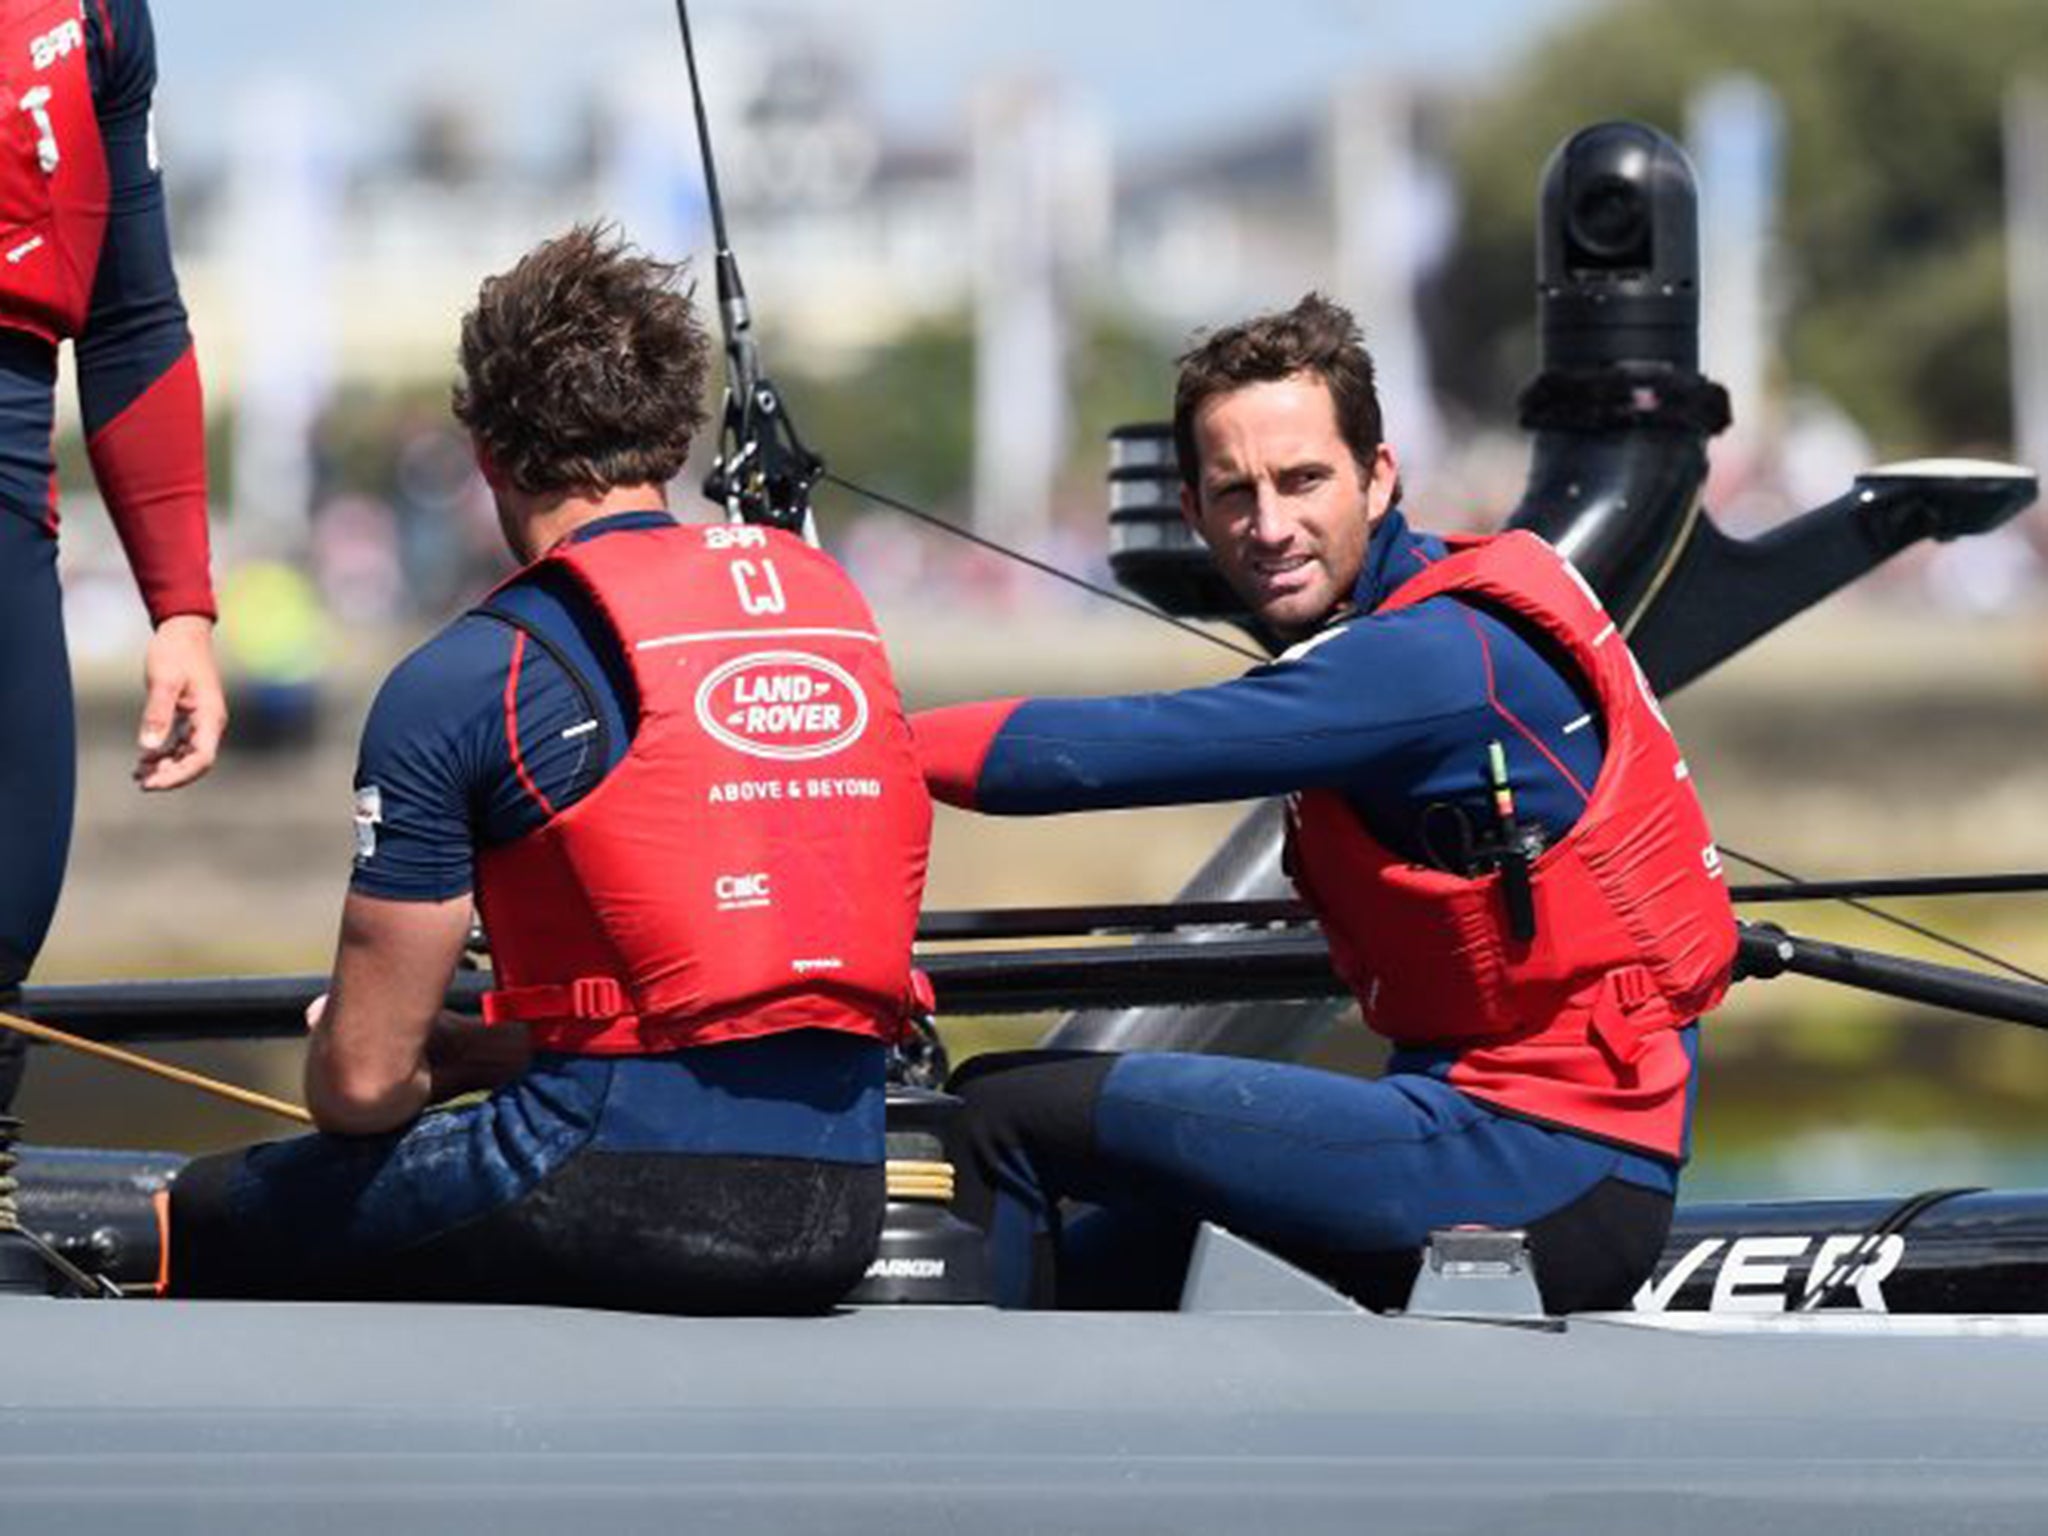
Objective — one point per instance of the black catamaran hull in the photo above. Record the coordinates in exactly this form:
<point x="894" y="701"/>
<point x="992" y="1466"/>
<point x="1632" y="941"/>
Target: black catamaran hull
<point x="1943" y="1252"/>
<point x="1946" y="1252"/>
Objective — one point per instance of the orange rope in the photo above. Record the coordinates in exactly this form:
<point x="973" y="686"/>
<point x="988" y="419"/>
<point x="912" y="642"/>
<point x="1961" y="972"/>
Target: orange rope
<point x="247" y="1097"/>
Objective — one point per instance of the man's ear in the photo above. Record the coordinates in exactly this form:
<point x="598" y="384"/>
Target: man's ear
<point x="1191" y="510"/>
<point x="486" y="466"/>
<point x="1383" y="484"/>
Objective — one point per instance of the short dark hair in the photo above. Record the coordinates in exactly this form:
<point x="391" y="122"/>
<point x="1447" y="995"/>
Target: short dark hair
<point x="1317" y="336"/>
<point x="583" y="367"/>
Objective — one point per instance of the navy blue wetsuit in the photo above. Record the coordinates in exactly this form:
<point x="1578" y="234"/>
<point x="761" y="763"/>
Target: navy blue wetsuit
<point x="753" y="1162"/>
<point x="1396" y="712"/>
<point x="147" y="443"/>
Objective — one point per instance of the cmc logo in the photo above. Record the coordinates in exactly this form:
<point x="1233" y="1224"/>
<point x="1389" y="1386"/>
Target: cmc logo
<point x="785" y="705"/>
<point x="738" y="891"/>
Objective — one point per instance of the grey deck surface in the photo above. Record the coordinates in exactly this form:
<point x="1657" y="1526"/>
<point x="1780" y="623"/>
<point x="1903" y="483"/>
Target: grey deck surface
<point x="273" y="1417"/>
<point x="1270" y="1405"/>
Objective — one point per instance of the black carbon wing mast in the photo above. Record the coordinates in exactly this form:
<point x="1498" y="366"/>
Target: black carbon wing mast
<point x="764" y="473"/>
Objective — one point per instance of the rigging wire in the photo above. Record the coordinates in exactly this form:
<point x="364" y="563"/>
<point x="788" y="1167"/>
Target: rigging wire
<point x="1907" y="923"/>
<point x="1103" y="918"/>
<point x="897" y="505"/>
<point x="881" y="498"/>
<point x="2019" y="882"/>
<point x="1851" y="1265"/>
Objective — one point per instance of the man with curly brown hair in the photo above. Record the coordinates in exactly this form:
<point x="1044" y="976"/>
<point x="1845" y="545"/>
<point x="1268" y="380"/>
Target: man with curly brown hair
<point x="655" y="758"/>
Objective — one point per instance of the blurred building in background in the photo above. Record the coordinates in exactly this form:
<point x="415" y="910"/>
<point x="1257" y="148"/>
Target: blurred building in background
<point x="326" y="292"/>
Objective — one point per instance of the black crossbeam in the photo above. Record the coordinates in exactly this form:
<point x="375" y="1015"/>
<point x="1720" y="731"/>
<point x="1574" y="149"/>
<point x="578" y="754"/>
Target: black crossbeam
<point x="1259" y="967"/>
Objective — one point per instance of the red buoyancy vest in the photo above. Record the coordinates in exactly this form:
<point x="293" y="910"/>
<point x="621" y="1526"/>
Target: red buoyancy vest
<point x="53" y="170"/>
<point x="755" y="862"/>
<point x="1635" y="935"/>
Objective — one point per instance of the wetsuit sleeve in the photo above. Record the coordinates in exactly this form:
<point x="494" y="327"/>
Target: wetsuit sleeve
<point x="1296" y="724"/>
<point x="953" y="744"/>
<point x="138" y="378"/>
<point x="425" y="744"/>
<point x="1235" y="741"/>
<point x="477" y="738"/>
<point x="1389" y="710"/>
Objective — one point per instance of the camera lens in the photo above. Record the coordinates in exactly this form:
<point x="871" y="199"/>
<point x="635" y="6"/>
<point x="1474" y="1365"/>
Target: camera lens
<point x="1610" y="221"/>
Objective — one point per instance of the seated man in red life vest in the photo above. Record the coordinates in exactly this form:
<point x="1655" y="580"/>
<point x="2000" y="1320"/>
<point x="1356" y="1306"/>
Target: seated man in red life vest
<point x="1493" y="825"/>
<point x="660" y="757"/>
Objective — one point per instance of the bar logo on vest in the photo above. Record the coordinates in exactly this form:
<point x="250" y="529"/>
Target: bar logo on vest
<point x="55" y="44"/>
<point x="789" y="706"/>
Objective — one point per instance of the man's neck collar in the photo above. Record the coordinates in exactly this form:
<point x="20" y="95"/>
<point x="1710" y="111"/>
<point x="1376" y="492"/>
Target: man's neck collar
<point x="616" y="522"/>
<point x="1389" y="561"/>
<point x="547" y="525"/>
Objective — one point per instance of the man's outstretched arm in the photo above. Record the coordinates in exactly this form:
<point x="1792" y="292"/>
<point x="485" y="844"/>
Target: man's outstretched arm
<point x="1393" y="711"/>
<point x="1313" y="720"/>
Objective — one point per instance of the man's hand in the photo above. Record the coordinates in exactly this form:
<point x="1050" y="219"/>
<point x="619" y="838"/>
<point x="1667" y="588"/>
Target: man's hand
<point x="183" y="710"/>
<point x="465" y="1055"/>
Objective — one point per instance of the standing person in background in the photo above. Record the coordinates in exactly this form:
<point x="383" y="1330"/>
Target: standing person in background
<point x="88" y="259"/>
<point x="669" y="763"/>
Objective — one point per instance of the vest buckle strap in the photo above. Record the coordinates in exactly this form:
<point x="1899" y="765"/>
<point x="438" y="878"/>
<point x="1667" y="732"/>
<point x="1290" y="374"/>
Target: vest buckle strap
<point x="596" y="997"/>
<point x="587" y="999"/>
<point x="1614" y="1025"/>
<point x="1633" y="986"/>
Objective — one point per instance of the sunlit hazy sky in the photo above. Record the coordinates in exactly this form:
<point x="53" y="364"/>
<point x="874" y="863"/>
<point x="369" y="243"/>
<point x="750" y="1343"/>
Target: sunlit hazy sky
<point x="1157" y="70"/>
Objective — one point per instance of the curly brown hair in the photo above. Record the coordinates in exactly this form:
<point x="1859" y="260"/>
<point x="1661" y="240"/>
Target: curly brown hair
<point x="583" y="367"/>
<point x="1317" y="336"/>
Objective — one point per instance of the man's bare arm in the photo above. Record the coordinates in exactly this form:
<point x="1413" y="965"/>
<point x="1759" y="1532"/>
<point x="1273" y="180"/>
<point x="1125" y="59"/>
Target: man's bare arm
<point x="369" y="1069"/>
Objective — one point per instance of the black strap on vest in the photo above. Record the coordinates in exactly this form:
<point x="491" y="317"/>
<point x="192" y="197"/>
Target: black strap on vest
<point x="599" y="762"/>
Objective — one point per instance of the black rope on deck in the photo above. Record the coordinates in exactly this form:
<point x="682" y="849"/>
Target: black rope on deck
<point x="10" y="1186"/>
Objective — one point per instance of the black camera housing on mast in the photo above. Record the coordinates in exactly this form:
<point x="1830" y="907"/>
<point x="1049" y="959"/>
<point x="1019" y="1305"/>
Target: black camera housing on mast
<point x="1622" y="417"/>
<point x="1617" y="252"/>
<point x="1620" y="411"/>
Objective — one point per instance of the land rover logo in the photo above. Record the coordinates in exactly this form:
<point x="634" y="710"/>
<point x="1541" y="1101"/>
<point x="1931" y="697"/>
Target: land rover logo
<point x="784" y="705"/>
